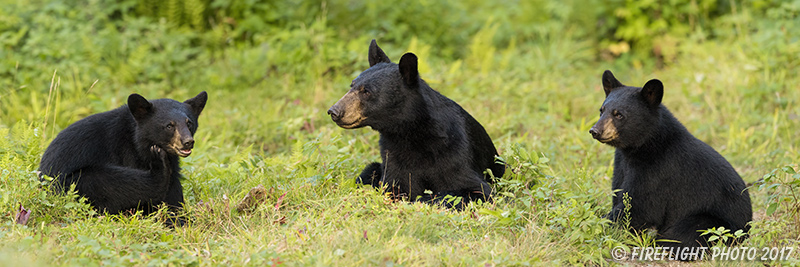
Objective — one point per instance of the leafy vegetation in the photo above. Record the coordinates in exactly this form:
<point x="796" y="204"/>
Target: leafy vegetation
<point x="529" y="71"/>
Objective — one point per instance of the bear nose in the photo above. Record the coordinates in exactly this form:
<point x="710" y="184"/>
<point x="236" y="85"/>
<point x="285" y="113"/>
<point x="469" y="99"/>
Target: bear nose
<point x="334" y="114"/>
<point x="188" y="144"/>
<point x="595" y="133"/>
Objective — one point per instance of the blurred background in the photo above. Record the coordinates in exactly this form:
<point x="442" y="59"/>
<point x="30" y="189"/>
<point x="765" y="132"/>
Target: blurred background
<point x="522" y="68"/>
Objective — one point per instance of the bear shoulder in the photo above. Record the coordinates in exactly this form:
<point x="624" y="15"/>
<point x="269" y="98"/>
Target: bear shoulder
<point x="89" y="141"/>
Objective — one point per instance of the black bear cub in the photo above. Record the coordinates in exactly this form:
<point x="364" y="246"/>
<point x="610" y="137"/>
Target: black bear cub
<point x="677" y="184"/>
<point x="126" y="158"/>
<point x="427" y="141"/>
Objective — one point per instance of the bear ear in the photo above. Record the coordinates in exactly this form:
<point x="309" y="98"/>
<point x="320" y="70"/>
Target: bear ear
<point x="376" y="55"/>
<point x="610" y="82"/>
<point x="652" y="92"/>
<point x="198" y="102"/>
<point x="408" y="69"/>
<point x="139" y="106"/>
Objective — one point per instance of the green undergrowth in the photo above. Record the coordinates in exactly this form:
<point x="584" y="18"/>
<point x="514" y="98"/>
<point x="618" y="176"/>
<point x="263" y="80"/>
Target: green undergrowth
<point x="272" y="69"/>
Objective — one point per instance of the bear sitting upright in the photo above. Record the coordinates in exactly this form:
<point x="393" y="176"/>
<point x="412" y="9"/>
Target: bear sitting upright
<point x="676" y="183"/>
<point x="126" y="158"/>
<point x="427" y="141"/>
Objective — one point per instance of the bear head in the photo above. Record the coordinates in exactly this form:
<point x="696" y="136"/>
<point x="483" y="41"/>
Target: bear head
<point x="166" y="123"/>
<point x="629" y="115"/>
<point x="382" y="96"/>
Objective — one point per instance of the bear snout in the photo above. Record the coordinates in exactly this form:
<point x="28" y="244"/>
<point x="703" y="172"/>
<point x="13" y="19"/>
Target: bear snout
<point x="336" y="115"/>
<point x="604" y="131"/>
<point x="188" y="143"/>
<point x="182" y="142"/>
<point x="595" y="132"/>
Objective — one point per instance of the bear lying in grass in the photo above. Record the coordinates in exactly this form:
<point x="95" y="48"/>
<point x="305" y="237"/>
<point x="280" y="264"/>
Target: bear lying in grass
<point x="676" y="183"/>
<point x="126" y="158"/>
<point x="427" y="141"/>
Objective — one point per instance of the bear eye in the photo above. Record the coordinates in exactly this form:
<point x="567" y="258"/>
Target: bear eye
<point x="189" y="123"/>
<point x="601" y="110"/>
<point x="617" y="114"/>
<point x="169" y="126"/>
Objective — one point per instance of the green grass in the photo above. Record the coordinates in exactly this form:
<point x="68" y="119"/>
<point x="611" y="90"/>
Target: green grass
<point x="265" y="124"/>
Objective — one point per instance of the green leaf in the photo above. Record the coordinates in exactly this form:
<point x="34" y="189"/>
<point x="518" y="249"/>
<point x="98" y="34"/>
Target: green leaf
<point x="339" y="252"/>
<point x="771" y="209"/>
<point x="788" y="169"/>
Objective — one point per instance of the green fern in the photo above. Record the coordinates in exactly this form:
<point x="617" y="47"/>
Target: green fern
<point x="194" y="10"/>
<point x="173" y="12"/>
<point x="177" y="13"/>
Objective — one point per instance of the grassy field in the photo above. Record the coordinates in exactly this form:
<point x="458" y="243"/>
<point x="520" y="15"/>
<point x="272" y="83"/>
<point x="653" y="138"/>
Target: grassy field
<point x="272" y="70"/>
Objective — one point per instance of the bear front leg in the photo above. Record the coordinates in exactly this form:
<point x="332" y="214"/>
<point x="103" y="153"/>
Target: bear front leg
<point x="459" y="199"/>
<point x="371" y="175"/>
<point x="687" y="230"/>
<point x="159" y="166"/>
<point x="115" y="188"/>
<point x="174" y="202"/>
<point x="482" y="193"/>
<point x="615" y="212"/>
<point x="448" y="200"/>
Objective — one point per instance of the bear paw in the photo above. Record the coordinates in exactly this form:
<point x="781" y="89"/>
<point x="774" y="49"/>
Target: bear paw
<point x="160" y="164"/>
<point x="158" y="152"/>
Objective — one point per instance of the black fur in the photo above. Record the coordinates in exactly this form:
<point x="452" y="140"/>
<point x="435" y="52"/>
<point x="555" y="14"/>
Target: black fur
<point x="126" y="158"/>
<point x="427" y="141"/>
<point x="677" y="183"/>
